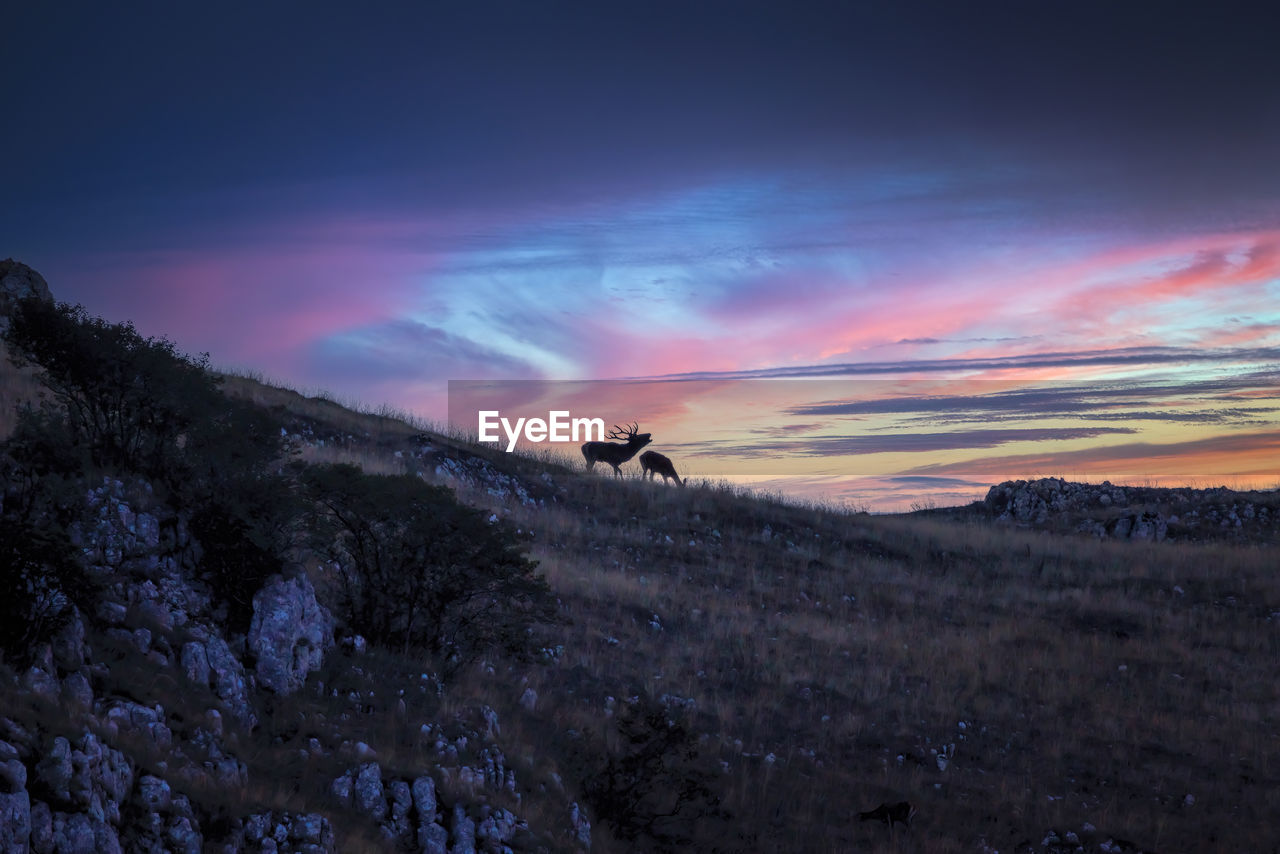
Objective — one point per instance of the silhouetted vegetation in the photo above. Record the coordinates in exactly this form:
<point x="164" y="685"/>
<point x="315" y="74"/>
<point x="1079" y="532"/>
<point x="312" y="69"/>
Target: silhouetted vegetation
<point x="125" y="403"/>
<point x="125" y="399"/>
<point x="653" y="785"/>
<point x="241" y="507"/>
<point x="41" y="571"/>
<point x="416" y="568"/>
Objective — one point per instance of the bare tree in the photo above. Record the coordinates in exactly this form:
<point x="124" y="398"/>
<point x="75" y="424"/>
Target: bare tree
<point x="613" y="453"/>
<point x="652" y="462"/>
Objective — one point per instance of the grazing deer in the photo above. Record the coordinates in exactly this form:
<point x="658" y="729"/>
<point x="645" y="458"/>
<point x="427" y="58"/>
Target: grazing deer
<point x="613" y="453"/>
<point x="901" y="813"/>
<point x="652" y="462"/>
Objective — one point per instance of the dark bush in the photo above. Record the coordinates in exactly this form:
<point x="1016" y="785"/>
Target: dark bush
<point x="241" y="509"/>
<point x="654" y="786"/>
<point x="126" y="399"/>
<point x="416" y="568"/>
<point x="41" y="575"/>
<point x="244" y="531"/>
<point x="41" y="571"/>
<point x="40" y="467"/>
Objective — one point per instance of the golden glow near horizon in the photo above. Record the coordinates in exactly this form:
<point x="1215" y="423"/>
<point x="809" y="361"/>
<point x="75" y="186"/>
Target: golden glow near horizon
<point x="943" y="432"/>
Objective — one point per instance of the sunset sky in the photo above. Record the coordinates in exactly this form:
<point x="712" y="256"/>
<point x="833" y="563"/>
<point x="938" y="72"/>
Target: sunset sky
<point x="1074" y="207"/>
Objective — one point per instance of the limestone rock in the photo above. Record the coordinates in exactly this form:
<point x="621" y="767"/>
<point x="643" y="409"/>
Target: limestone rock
<point x="210" y="661"/>
<point x="77" y="693"/>
<point x="424" y="799"/>
<point x="581" y="827"/>
<point x="433" y="839"/>
<point x="15" y="807"/>
<point x="368" y="794"/>
<point x="41" y="828"/>
<point x="18" y="281"/>
<point x="289" y="634"/>
<point x="464" y="831"/>
<point x="497" y="828"/>
<point x="397" y="826"/>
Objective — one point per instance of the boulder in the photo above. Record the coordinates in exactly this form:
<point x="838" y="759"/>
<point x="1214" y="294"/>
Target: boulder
<point x="18" y="281"/>
<point x="433" y="839"/>
<point x="368" y="793"/>
<point x="424" y="799"/>
<point x="464" y="831"/>
<point x="210" y="661"/>
<point x="15" y="807"/>
<point x="289" y="634"/>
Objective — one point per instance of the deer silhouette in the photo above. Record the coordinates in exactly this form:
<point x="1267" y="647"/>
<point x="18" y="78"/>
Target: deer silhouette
<point x="900" y="813"/>
<point x="613" y="453"/>
<point x="652" y="462"/>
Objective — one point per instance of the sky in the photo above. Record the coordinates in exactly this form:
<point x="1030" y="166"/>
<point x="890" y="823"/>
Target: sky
<point x="374" y="199"/>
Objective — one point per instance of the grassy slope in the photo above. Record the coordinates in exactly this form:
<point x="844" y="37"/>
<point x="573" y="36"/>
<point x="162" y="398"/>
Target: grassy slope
<point x="1096" y="682"/>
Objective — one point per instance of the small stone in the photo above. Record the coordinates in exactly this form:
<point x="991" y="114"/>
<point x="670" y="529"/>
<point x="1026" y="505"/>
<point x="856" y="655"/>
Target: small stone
<point x="529" y="699"/>
<point x="341" y="788"/>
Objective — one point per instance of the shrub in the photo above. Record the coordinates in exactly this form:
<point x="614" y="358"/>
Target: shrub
<point x="416" y="568"/>
<point x="41" y="572"/>
<point x="240" y="508"/>
<point x="125" y="399"/>
<point x="38" y="465"/>
<point x="653" y="784"/>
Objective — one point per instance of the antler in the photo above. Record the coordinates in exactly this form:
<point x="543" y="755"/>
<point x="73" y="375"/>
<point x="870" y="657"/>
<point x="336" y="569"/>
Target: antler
<point x="619" y="433"/>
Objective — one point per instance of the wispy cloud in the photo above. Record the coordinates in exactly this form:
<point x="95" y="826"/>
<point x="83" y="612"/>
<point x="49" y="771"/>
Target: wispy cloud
<point x="1236" y="454"/>
<point x="836" y="447"/>
<point x="1122" y="356"/>
<point x="1181" y="401"/>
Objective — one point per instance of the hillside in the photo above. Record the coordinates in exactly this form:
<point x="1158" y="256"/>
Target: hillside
<point x="723" y="672"/>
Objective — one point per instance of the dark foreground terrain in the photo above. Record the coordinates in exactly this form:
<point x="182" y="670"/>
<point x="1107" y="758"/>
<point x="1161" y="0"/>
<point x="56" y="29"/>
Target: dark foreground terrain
<point x="703" y="670"/>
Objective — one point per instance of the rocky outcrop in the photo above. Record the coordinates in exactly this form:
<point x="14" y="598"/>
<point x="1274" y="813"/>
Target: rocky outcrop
<point x="290" y="633"/>
<point x="209" y="662"/>
<point x="411" y="812"/>
<point x="18" y="281"/>
<point x="15" y="803"/>
<point x="146" y="724"/>
<point x="1109" y="511"/>
<point x="287" y="832"/>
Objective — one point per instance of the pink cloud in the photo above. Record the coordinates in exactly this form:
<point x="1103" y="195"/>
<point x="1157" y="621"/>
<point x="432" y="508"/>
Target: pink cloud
<point x="1243" y="454"/>
<point x="253" y="305"/>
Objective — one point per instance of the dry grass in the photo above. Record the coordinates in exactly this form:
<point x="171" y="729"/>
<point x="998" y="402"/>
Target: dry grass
<point x="1096" y="682"/>
<point x="832" y="658"/>
<point x="383" y="424"/>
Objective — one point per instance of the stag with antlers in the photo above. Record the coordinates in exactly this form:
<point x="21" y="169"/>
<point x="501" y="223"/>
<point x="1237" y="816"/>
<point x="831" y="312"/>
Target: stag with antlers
<point x="652" y="462"/>
<point x="613" y="453"/>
